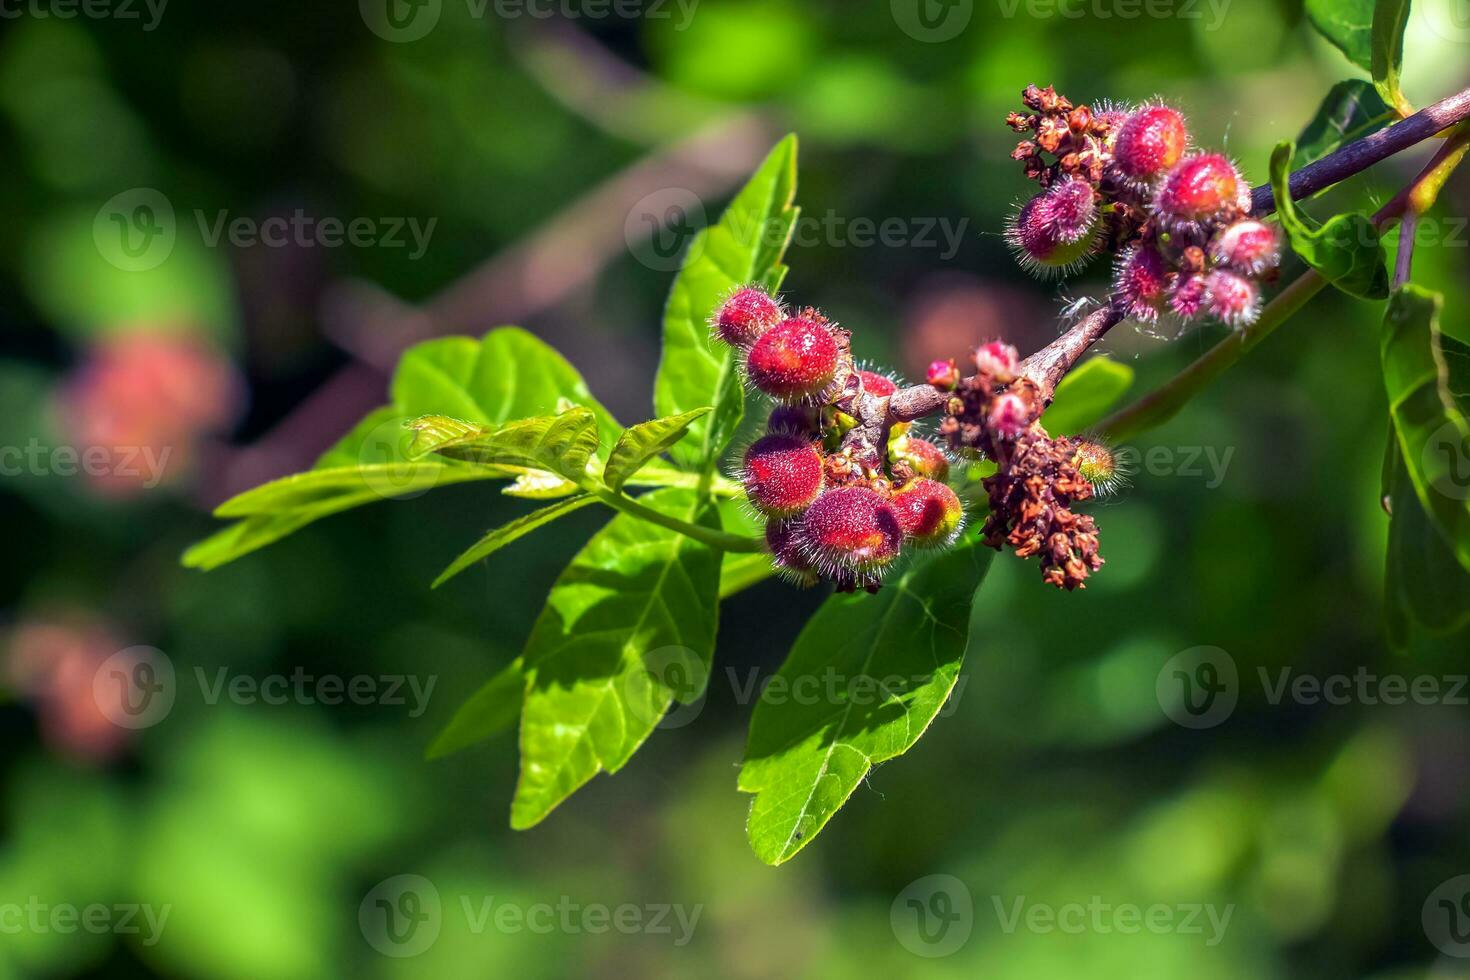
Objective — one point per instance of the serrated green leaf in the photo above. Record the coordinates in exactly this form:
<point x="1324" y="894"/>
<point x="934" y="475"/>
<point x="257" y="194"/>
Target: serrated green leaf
<point x="628" y="629"/>
<point x="745" y="246"/>
<point x="509" y="374"/>
<point x="1085" y="395"/>
<point x="1347" y="250"/>
<point x="895" y="658"/>
<point x="1390" y="18"/>
<point x="639" y="445"/>
<point x="562" y="444"/>
<point x="1348" y="24"/>
<point x="489" y="711"/>
<point x="1430" y="422"/>
<point x="1351" y="110"/>
<point x="508" y="533"/>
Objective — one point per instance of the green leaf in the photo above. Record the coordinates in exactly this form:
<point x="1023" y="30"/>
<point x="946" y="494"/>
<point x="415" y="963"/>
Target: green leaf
<point x="561" y="444"/>
<point x="628" y="628"/>
<point x="509" y="374"/>
<point x="1347" y="250"/>
<point x="741" y="570"/>
<point x="641" y="443"/>
<point x="1425" y="583"/>
<point x="1351" y="110"/>
<point x="1347" y="24"/>
<point x="1424" y="374"/>
<point x="489" y="711"/>
<point x="744" y="247"/>
<point x="895" y="658"/>
<point x="1085" y="395"/>
<point x="508" y="533"/>
<point x="1390" y="17"/>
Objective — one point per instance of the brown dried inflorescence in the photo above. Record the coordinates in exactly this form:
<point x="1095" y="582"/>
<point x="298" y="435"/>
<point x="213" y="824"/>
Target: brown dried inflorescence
<point x="1031" y="500"/>
<point x="1075" y="138"/>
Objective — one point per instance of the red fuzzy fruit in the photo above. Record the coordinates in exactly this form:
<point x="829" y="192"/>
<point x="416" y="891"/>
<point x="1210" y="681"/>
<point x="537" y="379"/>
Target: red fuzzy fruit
<point x="1247" y="246"/>
<point x="1141" y="280"/>
<point x="1232" y="297"/>
<point x="747" y="314"/>
<point x="1200" y="189"/>
<point x="923" y="457"/>
<point x="783" y="474"/>
<point x="1032" y="234"/>
<point x="1069" y="210"/>
<point x="1187" y="297"/>
<point x="944" y="375"/>
<point x="997" y="359"/>
<point x="877" y="384"/>
<point x="1009" y="416"/>
<point x="929" y="512"/>
<point x="1149" y="142"/>
<point x="783" y="538"/>
<point x="850" y="530"/>
<point x="795" y="360"/>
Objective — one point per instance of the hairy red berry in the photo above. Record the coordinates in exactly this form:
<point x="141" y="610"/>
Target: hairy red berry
<point x="997" y="359"/>
<point x="922" y="456"/>
<point x="929" y="512"/>
<point x="1032" y="234"/>
<point x="745" y="315"/>
<point x="850" y="529"/>
<point x="1198" y="190"/>
<point x="1232" y="298"/>
<point x="944" y="375"/>
<point x="796" y="360"/>
<point x="1149" y="142"/>
<point x="877" y="384"/>
<point x="783" y="474"/>
<point x="1187" y="297"/>
<point x="1247" y="246"/>
<point x="783" y="538"/>
<point x="1070" y="210"/>
<point x="1141" y="280"/>
<point x="1009" y="415"/>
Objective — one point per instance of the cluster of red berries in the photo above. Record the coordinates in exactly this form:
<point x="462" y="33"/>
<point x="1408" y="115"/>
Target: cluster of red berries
<point x="1126" y="181"/>
<point x="831" y="513"/>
